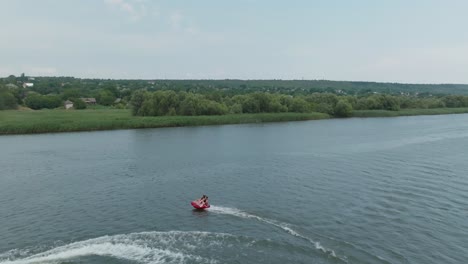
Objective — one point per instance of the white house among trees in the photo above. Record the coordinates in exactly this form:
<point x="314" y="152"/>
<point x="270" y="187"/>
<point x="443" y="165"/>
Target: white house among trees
<point x="68" y="104"/>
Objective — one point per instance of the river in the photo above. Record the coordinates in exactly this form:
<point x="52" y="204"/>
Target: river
<point x="376" y="190"/>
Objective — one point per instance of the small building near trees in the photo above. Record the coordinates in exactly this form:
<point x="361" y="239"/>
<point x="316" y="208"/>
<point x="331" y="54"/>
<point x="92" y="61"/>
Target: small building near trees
<point x="91" y="101"/>
<point x="68" y="104"/>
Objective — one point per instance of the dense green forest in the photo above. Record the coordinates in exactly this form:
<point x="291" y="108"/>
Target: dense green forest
<point x="218" y="97"/>
<point x="161" y="103"/>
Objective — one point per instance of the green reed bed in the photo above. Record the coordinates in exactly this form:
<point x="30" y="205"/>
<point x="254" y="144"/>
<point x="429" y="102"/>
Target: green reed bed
<point x="45" y="121"/>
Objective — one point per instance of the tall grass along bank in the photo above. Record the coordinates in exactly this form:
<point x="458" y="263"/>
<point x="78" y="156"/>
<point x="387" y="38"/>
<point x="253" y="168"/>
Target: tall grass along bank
<point x="44" y="121"/>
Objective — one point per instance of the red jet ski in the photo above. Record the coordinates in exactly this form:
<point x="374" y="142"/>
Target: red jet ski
<point x="198" y="205"/>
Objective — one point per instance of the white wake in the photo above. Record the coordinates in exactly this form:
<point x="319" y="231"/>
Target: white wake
<point x="283" y="226"/>
<point x="146" y="247"/>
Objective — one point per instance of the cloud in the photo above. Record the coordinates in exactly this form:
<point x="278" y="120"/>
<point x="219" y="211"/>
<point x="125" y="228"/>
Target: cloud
<point x="175" y="20"/>
<point x="135" y="9"/>
<point x="179" y="23"/>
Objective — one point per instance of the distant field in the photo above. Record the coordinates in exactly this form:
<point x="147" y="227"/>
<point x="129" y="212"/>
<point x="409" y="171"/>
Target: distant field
<point x="44" y="121"/>
<point x="409" y="112"/>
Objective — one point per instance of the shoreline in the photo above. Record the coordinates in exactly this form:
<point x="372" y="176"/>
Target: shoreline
<point x="17" y="122"/>
<point x="409" y="112"/>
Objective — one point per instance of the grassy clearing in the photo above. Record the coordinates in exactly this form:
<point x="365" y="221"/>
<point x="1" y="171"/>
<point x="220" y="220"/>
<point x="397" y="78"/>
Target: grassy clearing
<point x="44" y="121"/>
<point x="409" y="112"/>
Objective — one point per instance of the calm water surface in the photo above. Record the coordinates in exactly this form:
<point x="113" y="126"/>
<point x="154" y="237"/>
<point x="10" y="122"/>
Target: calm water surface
<point x="381" y="190"/>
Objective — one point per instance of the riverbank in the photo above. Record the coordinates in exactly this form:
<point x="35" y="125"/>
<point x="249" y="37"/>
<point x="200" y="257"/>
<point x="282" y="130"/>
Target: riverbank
<point x="409" y="112"/>
<point x="49" y="121"/>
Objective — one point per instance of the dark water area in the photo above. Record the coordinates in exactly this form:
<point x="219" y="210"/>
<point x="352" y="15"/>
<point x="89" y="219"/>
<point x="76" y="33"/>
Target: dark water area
<point x="380" y="190"/>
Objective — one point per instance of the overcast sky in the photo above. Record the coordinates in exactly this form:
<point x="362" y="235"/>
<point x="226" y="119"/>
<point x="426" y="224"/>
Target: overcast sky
<point x="415" y="41"/>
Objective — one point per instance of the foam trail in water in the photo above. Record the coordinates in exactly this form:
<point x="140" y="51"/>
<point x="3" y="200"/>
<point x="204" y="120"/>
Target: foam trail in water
<point x="121" y="251"/>
<point x="284" y="226"/>
<point x="138" y="247"/>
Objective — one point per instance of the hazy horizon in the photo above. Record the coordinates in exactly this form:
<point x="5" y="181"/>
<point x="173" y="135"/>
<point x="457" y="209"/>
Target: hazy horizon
<point x="421" y="42"/>
<point x="225" y="79"/>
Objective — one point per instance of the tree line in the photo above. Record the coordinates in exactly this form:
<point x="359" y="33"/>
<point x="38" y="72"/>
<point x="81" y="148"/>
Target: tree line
<point x="161" y="103"/>
<point x="218" y="97"/>
<point x="121" y="88"/>
<point x="51" y="92"/>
